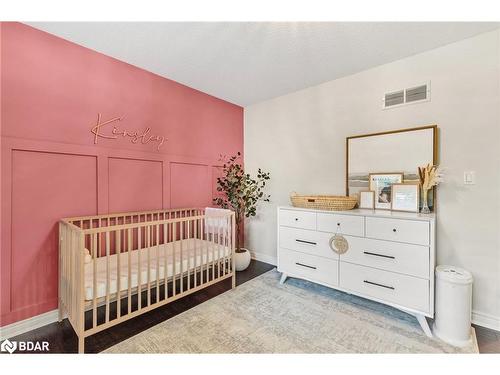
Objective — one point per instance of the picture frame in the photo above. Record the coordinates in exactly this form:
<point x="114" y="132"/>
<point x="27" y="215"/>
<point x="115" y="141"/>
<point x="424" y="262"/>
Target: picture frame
<point x="405" y="197"/>
<point x="381" y="184"/>
<point x="367" y="199"/>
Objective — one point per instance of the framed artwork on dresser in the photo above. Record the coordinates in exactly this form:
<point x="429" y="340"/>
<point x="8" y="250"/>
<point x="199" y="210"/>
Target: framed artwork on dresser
<point x="405" y="197"/>
<point x="381" y="184"/>
<point x="367" y="199"/>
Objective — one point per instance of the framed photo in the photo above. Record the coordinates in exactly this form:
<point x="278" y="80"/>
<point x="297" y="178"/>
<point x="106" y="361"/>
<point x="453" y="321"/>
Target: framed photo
<point x="367" y="199"/>
<point x="381" y="184"/>
<point x="405" y="197"/>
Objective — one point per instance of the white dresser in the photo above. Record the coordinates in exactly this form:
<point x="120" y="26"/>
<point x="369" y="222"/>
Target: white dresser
<point x="391" y="256"/>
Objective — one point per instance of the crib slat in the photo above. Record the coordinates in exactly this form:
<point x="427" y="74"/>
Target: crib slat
<point x="139" y="276"/>
<point x="224" y="229"/>
<point x="195" y="242"/>
<point x="165" y="260"/>
<point x="182" y="256"/>
<point x="118" y="251"/>
<point x="157" y="227"/>
<point x="148" y="273"/>
<point x="94" y="279"/>
<point x="129" y="268"/>
<point x="201" y="250"/>
<point x="207" y="242"/>
<point x="174" y="267"/>
<point x="228" y="243"/>
<point x="223" y="246"/>
<point x="219" y="242"/>
<point x="75" y="275"/>
<point x="188" y="230"/>
<point x="108" y="281"/>
<point x="213" y="249"/>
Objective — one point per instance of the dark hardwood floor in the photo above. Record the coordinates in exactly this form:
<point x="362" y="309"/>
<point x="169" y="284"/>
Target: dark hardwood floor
<point x="488" y="340"/>
<point x="62" y="338"/>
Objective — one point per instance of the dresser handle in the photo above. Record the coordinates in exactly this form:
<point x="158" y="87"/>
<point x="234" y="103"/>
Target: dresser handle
<point x="394" y="230"/>
<point x="307" y="242"/>
<point x="376" y="284"/>
<point x="296" y="219"/>
<point x="305" y="265"/>
<point x="379" y="255"/>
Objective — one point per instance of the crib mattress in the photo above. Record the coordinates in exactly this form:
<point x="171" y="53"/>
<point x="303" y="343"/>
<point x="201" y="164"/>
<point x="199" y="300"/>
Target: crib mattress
<point x="195" y="252"/>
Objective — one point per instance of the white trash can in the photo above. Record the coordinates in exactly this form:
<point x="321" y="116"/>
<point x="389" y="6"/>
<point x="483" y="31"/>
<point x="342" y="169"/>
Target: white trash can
<point x="452" y="322"/>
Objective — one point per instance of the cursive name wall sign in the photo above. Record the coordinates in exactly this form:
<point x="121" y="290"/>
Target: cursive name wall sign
<point x="135" y="136"/>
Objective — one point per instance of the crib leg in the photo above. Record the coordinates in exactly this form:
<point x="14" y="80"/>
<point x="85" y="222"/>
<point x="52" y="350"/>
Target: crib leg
<point x="233" y="280"/>
<point x="81" y="345"/>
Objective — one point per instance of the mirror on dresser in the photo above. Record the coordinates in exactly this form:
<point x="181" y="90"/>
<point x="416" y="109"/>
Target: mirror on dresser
<point x="401" y="150"/>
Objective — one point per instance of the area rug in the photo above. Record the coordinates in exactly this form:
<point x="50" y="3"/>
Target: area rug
<point x="262" y="316"/>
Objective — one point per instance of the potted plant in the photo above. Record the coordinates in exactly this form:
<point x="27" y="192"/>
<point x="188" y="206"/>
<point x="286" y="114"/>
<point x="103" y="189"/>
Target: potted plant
<point x="241" y="193"/>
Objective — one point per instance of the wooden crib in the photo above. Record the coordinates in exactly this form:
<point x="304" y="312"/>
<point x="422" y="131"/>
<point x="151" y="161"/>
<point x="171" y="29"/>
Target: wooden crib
<point x="115" y="267"/>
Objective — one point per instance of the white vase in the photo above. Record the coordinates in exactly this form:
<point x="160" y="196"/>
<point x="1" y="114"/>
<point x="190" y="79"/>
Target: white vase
<point x="242" y="260"/>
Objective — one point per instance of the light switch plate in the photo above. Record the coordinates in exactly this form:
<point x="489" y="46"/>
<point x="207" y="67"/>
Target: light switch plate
<point x="469" y="178"/>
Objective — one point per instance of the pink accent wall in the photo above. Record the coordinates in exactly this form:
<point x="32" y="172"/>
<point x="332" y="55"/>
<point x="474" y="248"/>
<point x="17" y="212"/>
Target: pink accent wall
<point x="51" y="93"/>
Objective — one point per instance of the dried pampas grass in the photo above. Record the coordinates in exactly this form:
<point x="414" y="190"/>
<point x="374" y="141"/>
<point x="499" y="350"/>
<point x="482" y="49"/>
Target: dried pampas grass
<point x="430" y="176"/>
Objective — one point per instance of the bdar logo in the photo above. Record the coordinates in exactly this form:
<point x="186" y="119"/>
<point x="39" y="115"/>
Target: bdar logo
<point x="8" y="346"/>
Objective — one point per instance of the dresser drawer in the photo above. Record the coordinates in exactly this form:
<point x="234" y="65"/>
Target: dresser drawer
<point x="310" y="267"/>
<point x="405" y="291"/>
<point x="345" y="224"/>
<point x="298" y="219"/>
<point x="398" y="257"/>
<point x="409" y="231"/>
<point x="306" y="241"/>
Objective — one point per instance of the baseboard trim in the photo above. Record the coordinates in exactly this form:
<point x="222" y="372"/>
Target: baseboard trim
<point x="29" y="324"/>
<point x="486" y="320"/>
<point x="264" y="258"/>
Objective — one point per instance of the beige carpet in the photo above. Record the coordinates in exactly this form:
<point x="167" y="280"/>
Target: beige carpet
<point x="262" y="316"/>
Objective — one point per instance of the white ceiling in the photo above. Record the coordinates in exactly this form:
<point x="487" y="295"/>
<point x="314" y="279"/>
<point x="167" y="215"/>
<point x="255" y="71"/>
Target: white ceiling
<point x="248" y="62"/>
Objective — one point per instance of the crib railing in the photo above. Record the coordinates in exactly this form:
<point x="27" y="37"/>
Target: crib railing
<point x="116" y="267"/>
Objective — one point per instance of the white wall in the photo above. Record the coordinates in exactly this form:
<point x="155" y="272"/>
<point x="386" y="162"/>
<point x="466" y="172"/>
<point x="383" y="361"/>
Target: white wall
<point x="300" y="139"/>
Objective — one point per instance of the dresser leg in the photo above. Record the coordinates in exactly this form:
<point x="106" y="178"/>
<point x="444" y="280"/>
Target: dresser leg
<point x="424" y="324"/>
<point x="283" y="278"/>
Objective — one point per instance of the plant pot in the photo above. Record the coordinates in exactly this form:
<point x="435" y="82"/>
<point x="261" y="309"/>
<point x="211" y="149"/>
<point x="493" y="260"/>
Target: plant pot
<point x="242" y="260"/>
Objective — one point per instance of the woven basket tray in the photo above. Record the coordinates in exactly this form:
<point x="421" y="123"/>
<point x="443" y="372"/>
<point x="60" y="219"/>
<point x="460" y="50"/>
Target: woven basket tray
<point x="324" y="202"/>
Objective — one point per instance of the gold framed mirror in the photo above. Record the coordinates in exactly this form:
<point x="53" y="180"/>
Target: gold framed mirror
<point x="397" y="150"/>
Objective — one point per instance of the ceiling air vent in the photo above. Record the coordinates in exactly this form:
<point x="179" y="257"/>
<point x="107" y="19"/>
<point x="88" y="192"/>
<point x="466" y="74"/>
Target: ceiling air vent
<point x="414" y="94"/>
<point x="394" y="98"/>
